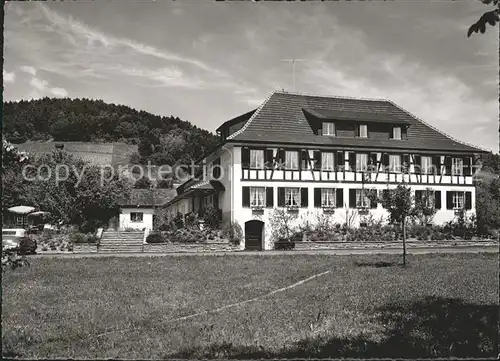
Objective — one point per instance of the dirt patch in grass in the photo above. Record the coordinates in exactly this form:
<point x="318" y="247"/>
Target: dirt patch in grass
<point x="57" y="307"/>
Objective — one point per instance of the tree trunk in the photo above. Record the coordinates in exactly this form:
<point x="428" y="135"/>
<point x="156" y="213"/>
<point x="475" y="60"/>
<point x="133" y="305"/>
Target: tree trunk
<point x="404" y="243"/>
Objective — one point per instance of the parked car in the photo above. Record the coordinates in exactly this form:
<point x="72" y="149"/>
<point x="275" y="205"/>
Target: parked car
<point x="16" y="239"/>
<point x="11" y="237"/>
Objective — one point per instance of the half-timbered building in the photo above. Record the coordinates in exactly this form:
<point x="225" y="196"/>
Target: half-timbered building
<point x="311" y="154"/>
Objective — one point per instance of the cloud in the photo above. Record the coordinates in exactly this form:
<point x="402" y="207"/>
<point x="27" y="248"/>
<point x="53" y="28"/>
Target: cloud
<point x="59" y="92"/>
<point x="40" y="88"/>
<point x="39" y="84"/>
<point x="165" y="77"/>
<point x="8" y="77"/>
<point x="28" y="69"/>
<point x="72" y="27"/>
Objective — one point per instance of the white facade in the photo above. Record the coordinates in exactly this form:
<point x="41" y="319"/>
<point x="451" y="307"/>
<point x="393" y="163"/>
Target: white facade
<point x="137" y="218"/>
<point x="234" y="178"/>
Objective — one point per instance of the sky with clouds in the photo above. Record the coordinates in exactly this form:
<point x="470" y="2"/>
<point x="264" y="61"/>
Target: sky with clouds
<point x="207" y="62"/>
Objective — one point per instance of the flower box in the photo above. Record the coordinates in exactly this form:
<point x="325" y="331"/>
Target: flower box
<point x="292" y="208"/>
<point x="257" y="209"/>
<point x="329" y="209"/>
<point x="363" y="210"/>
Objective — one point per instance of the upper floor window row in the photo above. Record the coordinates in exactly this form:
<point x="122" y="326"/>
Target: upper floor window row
<point x="363" y="131"/>
<point x="292" y="159"/>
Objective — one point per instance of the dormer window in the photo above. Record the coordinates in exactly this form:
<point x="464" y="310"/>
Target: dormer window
<point x="328" y="128"/>
<point x="363" y="131"/>
<point x="396" y="133"/>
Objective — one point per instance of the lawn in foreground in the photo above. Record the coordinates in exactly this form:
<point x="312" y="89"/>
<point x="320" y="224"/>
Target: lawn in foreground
<point x="440" y="305"/>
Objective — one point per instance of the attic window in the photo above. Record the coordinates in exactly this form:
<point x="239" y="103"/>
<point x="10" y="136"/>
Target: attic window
<point x="363" y="131"/>
<point x="328" y="128"/>
<point x="396" y="133"/>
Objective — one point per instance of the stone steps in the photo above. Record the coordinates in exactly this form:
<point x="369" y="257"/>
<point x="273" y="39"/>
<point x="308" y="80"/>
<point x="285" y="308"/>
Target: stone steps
<point x="121" y="242"/>
<point x="122" y="236"/>
<point x="120" y="249"/>
<point x="128" y="241"/>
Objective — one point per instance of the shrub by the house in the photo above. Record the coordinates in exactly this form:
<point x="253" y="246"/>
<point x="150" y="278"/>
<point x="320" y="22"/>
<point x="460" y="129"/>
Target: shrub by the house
<point x="155" y="237"/>
<point x="27" y="246"/>
<point x="233" y="232"/>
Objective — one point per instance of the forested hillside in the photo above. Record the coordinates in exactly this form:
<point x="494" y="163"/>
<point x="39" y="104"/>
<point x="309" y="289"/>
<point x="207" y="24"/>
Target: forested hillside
<point x="162" y="140"/>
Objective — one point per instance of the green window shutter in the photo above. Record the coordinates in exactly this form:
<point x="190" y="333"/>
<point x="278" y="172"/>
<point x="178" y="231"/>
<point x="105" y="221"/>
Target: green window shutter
<point x="437" y="164"/>
<point x="467" y="166"/>
<point x="317" y="159"/>
<point x="352" y="161"/>
<point x="340" y="161"/>
<point x="304" y="197"/>
<point x="447" y="163"/>
<point x="385" y="160"/>
<point x="406" y="162"/>
<point x="245" y="158"/>
<point x="437" y="199"/>
<point x="269" y="160"/>
<point x="281" y="155"/>
<point x="246" y="197"/>
<point x="468" y="200"/>
<point x="339" y="193"/>
<point x="352" y="198"/>
<point x="317" y="197"/>
<point x="373" y="198"/>
<point x="269" y="197"/>
<point x="304" y="159"/>
<point x="281" y="197"/>
<point x="418" y="164"/>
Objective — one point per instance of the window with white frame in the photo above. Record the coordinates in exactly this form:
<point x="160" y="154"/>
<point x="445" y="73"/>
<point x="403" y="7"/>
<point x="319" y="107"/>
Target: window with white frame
<point x="136" y="216"/>
<point x="361" y="162"/>
<point x="257" y="196"/>
<point x="291" y="159"/>
<point x="256" y="158"/>
<point x="394" y="163"/>
<point x="327" y="161"/>
<point x="458" y="200"/>
<point x="396" y="133"/>
<point x="362" y="199"/>
<point x="20" y="220"/>
<point x="328" y="197"/>
<point x="457" y="166"/>
<point x="426" y="165"/>
<point x="363" y="131"/>
<point x="292" y="197"/>
<point x="328" y="128"/>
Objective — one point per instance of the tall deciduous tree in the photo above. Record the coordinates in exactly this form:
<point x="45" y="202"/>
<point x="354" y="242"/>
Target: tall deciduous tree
<point x="83" y="196"/>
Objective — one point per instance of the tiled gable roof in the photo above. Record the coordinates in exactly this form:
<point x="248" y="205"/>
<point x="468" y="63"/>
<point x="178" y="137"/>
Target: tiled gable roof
<point x="148" y="197"/>
<point x="281" y="119"/>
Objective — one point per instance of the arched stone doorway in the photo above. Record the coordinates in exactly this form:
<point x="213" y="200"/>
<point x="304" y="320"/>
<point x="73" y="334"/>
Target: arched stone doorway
<point x="254" y="235"/>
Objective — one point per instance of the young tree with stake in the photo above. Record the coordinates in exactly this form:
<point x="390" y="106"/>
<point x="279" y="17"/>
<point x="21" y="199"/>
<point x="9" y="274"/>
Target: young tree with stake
<point x="399" y="204"/>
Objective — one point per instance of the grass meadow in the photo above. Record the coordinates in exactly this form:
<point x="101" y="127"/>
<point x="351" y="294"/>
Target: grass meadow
<point x="440" y="305"/>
